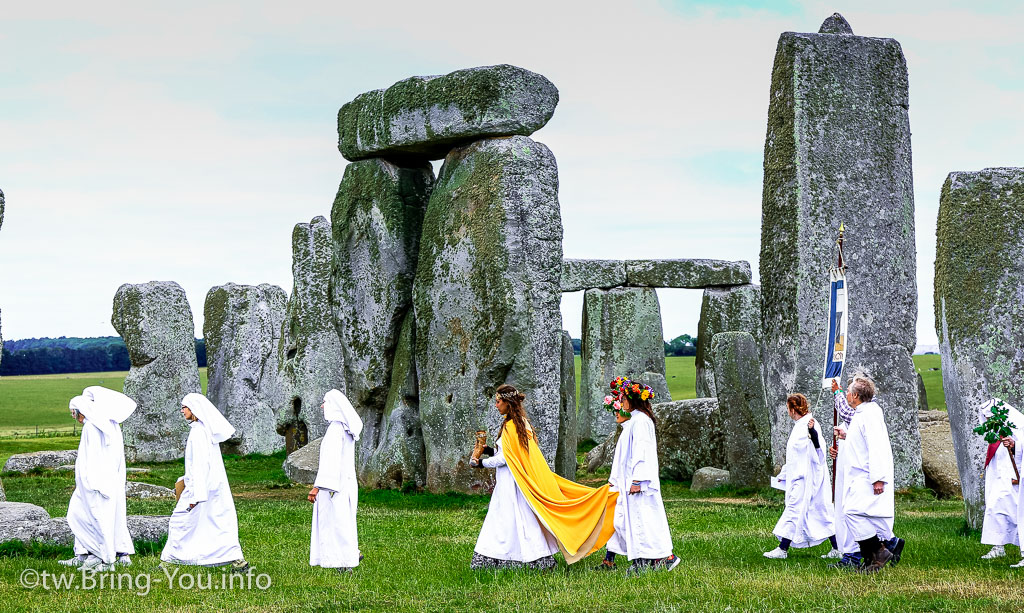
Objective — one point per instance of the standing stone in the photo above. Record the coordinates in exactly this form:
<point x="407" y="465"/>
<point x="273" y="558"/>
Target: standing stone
<point x="487" y="301"/>
<point x="579" y="275"/>
<point x="838" y="150"/>
<point x="376" y="220"/>
<point x="242" y="328"/>
<point x="565" y="456"/>
<point x="310" y="354"/>
<point x="155" y="321"/>
<point x="425" y="117"/>
<point x="622" y="336"/>
<point x="922" y="394"/>
<point x="398" y="460"/>
<point x="724" y="309"/>
<point x="743" y="409"/>
<point x="979" y="314"/>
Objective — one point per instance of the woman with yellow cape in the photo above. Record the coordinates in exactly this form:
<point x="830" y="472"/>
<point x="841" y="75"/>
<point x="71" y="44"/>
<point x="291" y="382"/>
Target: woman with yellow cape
<point x="535" y="513"/>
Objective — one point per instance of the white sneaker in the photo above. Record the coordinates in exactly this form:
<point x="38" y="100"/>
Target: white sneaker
<point x="832" y="555"/>
<point x="776" y="554"/>
<point x="997" y="552"/>
<point x="1018" y="564"/>
<point x="123" y="559"/>
<point x="93" y="563"/>
<point x="75" y="561"/>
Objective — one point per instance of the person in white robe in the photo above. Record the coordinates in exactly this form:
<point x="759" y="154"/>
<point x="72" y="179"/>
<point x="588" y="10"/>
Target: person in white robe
<point x="97" y="510"/>
<point x="1002" y="496"/>
<point x="641" y="526"/>
<point x="512" y="535"/>
<point x="203" y="529"/>
<point x="808" y="519"/>
<point x="868" y="500"/>
<point x="334" y="542"/>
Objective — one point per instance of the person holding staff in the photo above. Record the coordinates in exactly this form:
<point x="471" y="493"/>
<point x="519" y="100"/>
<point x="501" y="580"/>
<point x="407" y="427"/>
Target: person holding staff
<point x="1002" y="487"/>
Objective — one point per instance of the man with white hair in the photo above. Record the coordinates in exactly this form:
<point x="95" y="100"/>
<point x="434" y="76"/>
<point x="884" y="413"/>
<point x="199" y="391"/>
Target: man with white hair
<point x="97" y="510"/>
<point x="865" y="500"/>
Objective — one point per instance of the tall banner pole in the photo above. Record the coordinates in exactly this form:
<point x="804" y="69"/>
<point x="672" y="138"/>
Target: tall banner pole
<point x="837" y="342"/>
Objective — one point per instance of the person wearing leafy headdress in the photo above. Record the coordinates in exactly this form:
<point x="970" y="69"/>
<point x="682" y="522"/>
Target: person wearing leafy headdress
<point x="1002" y="495"/>
<point x="204" y="526"/>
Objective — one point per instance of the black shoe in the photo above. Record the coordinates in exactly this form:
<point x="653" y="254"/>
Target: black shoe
<point x="895" y="547"/>
<point x="882" y="557"/>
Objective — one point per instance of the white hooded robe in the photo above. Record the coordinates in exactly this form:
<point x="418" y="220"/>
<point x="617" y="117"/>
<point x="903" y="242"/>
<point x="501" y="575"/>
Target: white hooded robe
<point x="808" y="517"/>
<point x="641" y="527"/>
<point x="206" y="535"/>
<point x="334" y="541"/>
<point x="866" y="457"/>
<point x="1002" y="498"/>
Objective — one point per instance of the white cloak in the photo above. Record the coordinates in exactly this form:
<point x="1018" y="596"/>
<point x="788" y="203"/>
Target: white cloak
<point x="334" y="542"/>
<point x="641" y="528"/>
<point x="808" y="519"/>
<point x="208" y="534"/>
<point x="97" y="510"/>
<point x="1002" y="498"/>
<point x="867" y="458"/>
<point x="511" y="530"/>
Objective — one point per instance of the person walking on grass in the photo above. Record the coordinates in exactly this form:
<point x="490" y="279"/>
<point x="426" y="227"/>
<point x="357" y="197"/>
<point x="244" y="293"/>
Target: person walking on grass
<point x="1002" y="487"/>
<point x="334" y="542"/>
<point x="808" y="519"/>
<point x="203" y="530"/>
<point x="97" y="510"/>
<point x="641" y="527"/>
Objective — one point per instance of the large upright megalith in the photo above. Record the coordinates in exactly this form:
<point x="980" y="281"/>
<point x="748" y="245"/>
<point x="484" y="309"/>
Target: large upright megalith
<point x="565" y="455"/>
<point x="837" y="150"/>
<point x="724" y="309"/>
<point x="622" y="336"/>
<point x="486" y="298"/>
<point x="979" y="314"/>
<point x="310" y="352"/>
<point x="376" y="222"/>
<point x="242" y="328"/>
<point x="155" y="321"/>
<point x="746" y="426"/>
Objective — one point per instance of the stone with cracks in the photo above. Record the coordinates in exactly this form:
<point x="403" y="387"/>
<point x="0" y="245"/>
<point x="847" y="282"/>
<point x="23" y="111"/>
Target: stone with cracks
<point x="426" y="117"/>
<point x="743" y="409"/>
<point x="376" y="222"/>
<point x="979" y="315"/>
<point x="155" y="321"/>
<point x="143" y="528"/>
<point x="938" y="460"/>
<point x="837" y="150"/>
<point x="310" y="354"/>
<point x="138" y="489"/>
<point x="301" y="466"/>
<point x="696" y="274"/>
<point x="622" y="336"/>
<point x="25" y="462"/>
<point x="709" y="478"/>
<point x="690" y="435"/>
<point x="579" y="275"/>
<point x="487" y="301"/>
<point x="724" y="309"/>
<point x="399" y="459"/>
<point x="242" y="328"/>
<point x="565" y="455"/>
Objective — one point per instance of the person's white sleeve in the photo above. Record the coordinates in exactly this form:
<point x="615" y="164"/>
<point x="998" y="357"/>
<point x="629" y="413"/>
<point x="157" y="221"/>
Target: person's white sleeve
<point x="197" y="467"/>
<point x="496" y="460"/>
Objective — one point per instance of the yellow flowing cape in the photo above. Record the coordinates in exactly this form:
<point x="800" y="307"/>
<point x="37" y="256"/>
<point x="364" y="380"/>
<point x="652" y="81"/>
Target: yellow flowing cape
<point x="579" y="517"/>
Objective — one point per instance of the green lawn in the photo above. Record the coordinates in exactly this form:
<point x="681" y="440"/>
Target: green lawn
<point x="418" y="546"/>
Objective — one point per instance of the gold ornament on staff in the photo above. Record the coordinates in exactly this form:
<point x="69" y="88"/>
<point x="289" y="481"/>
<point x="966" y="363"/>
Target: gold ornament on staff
<point x="481" y="442"/>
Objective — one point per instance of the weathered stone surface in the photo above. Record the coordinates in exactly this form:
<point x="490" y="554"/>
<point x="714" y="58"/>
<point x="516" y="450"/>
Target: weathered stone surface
<point x="937" y="456"/>
<point x="311" y="357"/>
<point x="709" y="478"/>
<point x="399" y="457"/>
<point x="979" y="315"/>
<point x="690" y="435"/>
<point x="155" y="321"/>
<point x="138" y="489"/>
<point x="426" y="117"/>
<point x="657" y="383"/>
<point x="602" y="455"/>
<point x="579" y="275"/>
<point x="24" y="462"/>
<point x="838" y="150"/>
<point x="487" y="297"/>
<point x="149" y="528"/>
<point x="21" y="521"/>
<point x="724" y="309"/>
<point x="622" y="336"/>
<point x="242" y="328"/>
<point x="301" y="466"/>
<point x="922" y="394"/>
<point x="686" y="273"/>
<point x="743" y="409"/>
<point x="835" y="24"/>
<point x="376" y="221"/>
<point x="565" y="455"/>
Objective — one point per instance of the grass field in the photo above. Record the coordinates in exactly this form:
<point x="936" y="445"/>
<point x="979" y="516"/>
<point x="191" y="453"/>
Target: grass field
<point x="418" y="546"/>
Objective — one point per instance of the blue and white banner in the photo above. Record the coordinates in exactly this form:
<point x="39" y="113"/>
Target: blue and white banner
<point x="837" y="342"/>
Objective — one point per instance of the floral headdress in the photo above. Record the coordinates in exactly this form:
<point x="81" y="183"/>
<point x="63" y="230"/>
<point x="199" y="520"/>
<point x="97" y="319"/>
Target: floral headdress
<point x="621" y="387"/>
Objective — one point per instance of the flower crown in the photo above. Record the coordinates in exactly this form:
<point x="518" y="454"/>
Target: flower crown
<point x="513" y="395"/>
<point x="634" y="390"/>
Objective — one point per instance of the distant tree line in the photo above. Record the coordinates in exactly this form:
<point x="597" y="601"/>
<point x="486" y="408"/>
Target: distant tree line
<point x="46" y="356"/>
<point x="679" y="346"/>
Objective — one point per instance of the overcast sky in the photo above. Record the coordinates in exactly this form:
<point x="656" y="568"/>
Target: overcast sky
<point x="182" y="141"/>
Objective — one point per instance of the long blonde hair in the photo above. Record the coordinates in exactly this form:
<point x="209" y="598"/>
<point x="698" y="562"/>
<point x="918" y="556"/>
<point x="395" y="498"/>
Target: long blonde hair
<point x="516" y="414"/>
